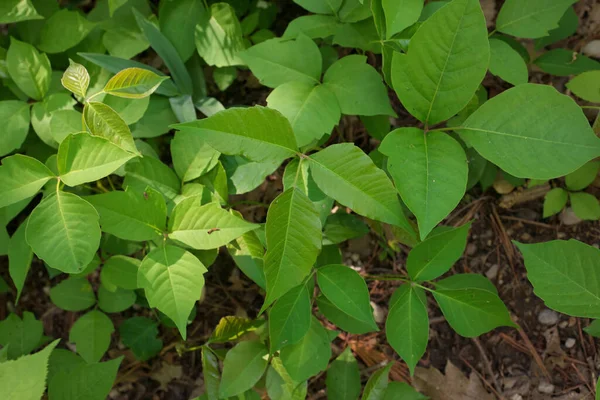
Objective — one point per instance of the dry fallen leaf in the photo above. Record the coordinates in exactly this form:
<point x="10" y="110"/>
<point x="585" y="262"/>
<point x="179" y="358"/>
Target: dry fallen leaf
<point x="166" y="374"/>
<point x="451" y="386"/>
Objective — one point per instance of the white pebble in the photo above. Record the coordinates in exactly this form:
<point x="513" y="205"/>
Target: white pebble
<point x="548" y="317"/>
<point x="570" y="342"/>
<point x="546" y="387"/>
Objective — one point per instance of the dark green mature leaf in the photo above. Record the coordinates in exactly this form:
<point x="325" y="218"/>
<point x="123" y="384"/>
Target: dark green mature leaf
<point x="402" y="390"/>
<point x="150" y="172"/>
<point x="20" y="256"/>
<point x="377" y="384"/>
<point x="567" y="26"/>
<point x="532" y="131"/>
<point x="177" y="21"/>
<point x="88" y="381"/>
<point x="73" y="294"/>
<point x="210" y="372"/>
<point x="446" y="61"/>
<point x="91" y="335"/>
<point x="343" y="377"/>
<point x="20" y="336"/>
<point x="586" y="86"/>
<point x="280" y="384"/>
<point x="563" y="62"/>
<point x="247" y="253"/>
<point x="120" y="272"/>
<point x="15" y="117"/>
<point x="63" y="30"/>
<point x="29" y="69"/>
<point x="313" y="26"/>
<point x="585" y="206"/>
<point x="555" y="200"/>
<point x="134" y="83"/>
<point x="101" y="120"/>
<point x="243" y="175"/>
<point x="20" y="178"/>
<point x="115" y="301"/>
<point x="341" y="227"/>
<point x="593" y="329"/>
<point x="192" y="156"/>
<point x="583" y="177"/>
<point x="320" y="7"/>
<point x="140" y="334"/>
<point x="507" y="63"/>
<point x="407" y="324"/>
<point x="342" y="320"/>
<point x="17" y="10"/>
<point x="243" y="367"/>
<point x="532" y="18"/>
<point x="289" y="319"/>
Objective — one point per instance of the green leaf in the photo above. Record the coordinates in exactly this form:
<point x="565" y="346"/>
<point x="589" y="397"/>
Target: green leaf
<point x="554" y="201"/>
<point x="313" y="26"/>
<point x="470" y="310"/>
<point x="399" y="15"/>
<point x="134" y="83"/>
<point x="532" y="131"/>
<point x="120" y="272"/>
<point x="178" y="21"/>
<point x="84" y="158"/>
<point x="407" y="324"/>
<point x="73" y="294"/>
<point x="446" y="61"/>
<point x="150" y="172"/>
<point x="115" y="301"/>
<point x="42" y="114"/>
<point x="17" y="10"/>
<point x="29" y="69"/>
<point x="218" y="36"/>
<point x="563" y="62"/>
<point x="192" y="156"/>
<point x="593" y="329"/>
<point x="310" y="355"/>
<point x="377" y="384"/>
<point x="63" y="30"/>
<point x="278" y="61"/>
<point x="430" y="171"/>
<point x="312" y="110"/>
<point x="435" y="256"/>
<point x="343" y="377"/>
<point x="586" y="86"/>
<point x="76" y="79"/>
<point x="140" y="334"/>
<point x="103" y="121"/>
<point x="567" y="26"/>
<point x="64" y="123"/>
<point x="266" y="134"/>
<point x="20" y="256"/>
<point x="20" y="178"/>
<point x="172" y="279"/>
<point x="91" y="335"/>
<point x="585" y="206"/>
<point x="210" y="372"/>
<point x="247" y="253"/>
<point x="20" y="336"/>
<point x="131" y="110"/>
<point x="340" y="319"/>
<point x="244" y="365"/>
<point x="360" y="35"/>
<point x="347" y="291"/>
<point x="63" y="231"/>
<point x="289" y="319"/>
<point x="530" y="19"/>
<point x="15" y="117"/>
<point x="280" y="384"/>
<point x="232" y="328"/>
<point x="358" y="87"/>
<point x="583" y="177"/>
<point x="320" y="7"/>
<point x="507" y="63"/>
<point x="346" y="174"/>
<point x="402" y="390"/>
<point x="224" y="77"/>
<point x="293" y="232"/>
<point x="243" y="175"/>
<point x="341" y="227"/>
<point x="25" y="378"/>
<point x="114" y="5"/>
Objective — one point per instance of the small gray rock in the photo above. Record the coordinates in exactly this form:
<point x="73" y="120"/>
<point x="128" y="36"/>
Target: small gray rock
<point x="546" y="387"/>
<point x="570" y="342"/>
<point x="548" y="317"/>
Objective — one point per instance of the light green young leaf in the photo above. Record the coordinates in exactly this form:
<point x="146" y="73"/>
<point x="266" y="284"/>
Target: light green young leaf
<point x="20" y="336"/>
<point x="134" y="83"/>
<point x="407" y="324"/>
<point x="20" y="178"/>
<point x="91" y="335"/>
<point x="140" y="334"/>
<point x="312" y="110"/>
<point x="531" y="18"/>
<point x="585" y="206"/>
<point x="532" y="131"/>
<point x="583" y="177"/>
<point x="289" y="319"/>
<point x="15" y="119"/>
<point x="232" y="328"/>
<point x="293" y="233"/>
<point x="17" y="10"/>
<point x="25" y="378"/>
<point x="400" y="14"/>
<point x="244" y="365"/>
<point x="507" y="63"/>
<point x="120" y="272"/>
<point x="278" y="61"/>
<point x="42" y="114"/>
<point x="554" y="202"/>
<point x="64" y="123"/>
<point x="402" y="390"/>
<point x="358" y="87"/>
<point x="346" y="174"/>
<point x="76" y="79"/>
<point x="430" y="171"/>
<point x="150" y="172"/>
<point x="435" y="256"/>
<point x="192" y="156"/>
<point x="312" y="26"/>
<point x="377" y="384"/>
<point x="319" y="6"/>
<point x="172" y="279"/>
<point x="563" y="62"/>
<point x="224" y="77"/>
<point x="63" y="30"/>
<point x="446" y="61"/>
<point x="20" y="256"/>
<point x="257" y="133"/>
<point x="103" y="121"/>
<point x="131" y="110"/>
<point x="63" y="231"/>
<point x="84" y="381"/>
<point x="29" y="69"/>
<point x="177" y="21"/>
<point x="116" y="301"/>
<point x="343" y="377"/>
<point x="586" y="86"/>
<point x="280" y="384"/>
<point x="73" y="294"/>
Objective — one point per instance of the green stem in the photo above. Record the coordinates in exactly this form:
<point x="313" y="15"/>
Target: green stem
<point x="448" y="128"/>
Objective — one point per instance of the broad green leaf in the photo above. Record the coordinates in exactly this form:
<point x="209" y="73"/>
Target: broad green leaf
<point x="563" y="62"/>
<point x="172" y="279"/>
<point x="247" y="253"/>
<point x="115" y="301"/>
<point x="131" y="110"/>
<point x="567" y="26"/>
<point x="312" y="110"/>
<point x="507" y="63"/>
<point x="378" y="126"/>
<point x="29" y="69"/>
<point x="343" y="377"/>
<point x="342" y="320"/>
<point x="178" y="21"/>
<point x="280" y="384"/>
<point x="42" y="114"/>
<point x="358" y="87"/>
<point x="430" y="171"/>
<point x="150" y="172"/>
<point x="400" y="14"/>
<point x="76" y="79"/>
<point x="20" y="336"/>
<point x="346" y="174"/>
<point x="20" y="256"/>
<point x="402" y="390"/>
<point x="347" y="291"/>
<point x="278" y="61"/>
<point x="15" y="119"/>
<point x="85" y="158"/>
<point x="84" y="381"/>
<point x="120" y="272"/>
<point x="218" y="36"/>
<point x="224" y="77"/>
<point x="91" y="335"/>
<point x="63" y="30"/>
<point x="244" y="175"/>
<point x="446" y="61"/>
<point x="232" y="328"/>
<point x="554" y="202"/>
<point x="156" y="120"/>
<point x="64" y="123"/>
<point x="293" y="233"/>
<point x="25" y="378"/>
<point x="73" y="294"/>
<point x="17" y="10"/>
<point x="289" y="319"/>
<point x="134" y="83"/>
<point x="63" y="231"/>
<point x="192" y="156"/>
<point x="103" y="121"/>
<point x="114" y="5"/>
<point x="310" y="355"/>
<point x="319" y="6"/>
<point x="205" y="227"/>
<point x="257" y="133"/>
<point x="20" y="178"/>
<point x="244" y="365"/>
<point x="340" y="227"/>
<point x="377" y="384"/>
<point x="586" y="86"/>
<point x="470" y="311"/>
<point x="532" y="131"/>
<point x="313" y="26"/>
<point x="593" y="329"/>
<point x="361" y="35"/>
<point x="435" y="256"/>
<point x="407" y="324"/>
<point x="210" y="372"/>
<point x="140" y="334"/>
<point x="583" y="177"/>
<point x="565" y="274"/>
<point x="585" y="205"/>
<point x="532" y="18"/>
